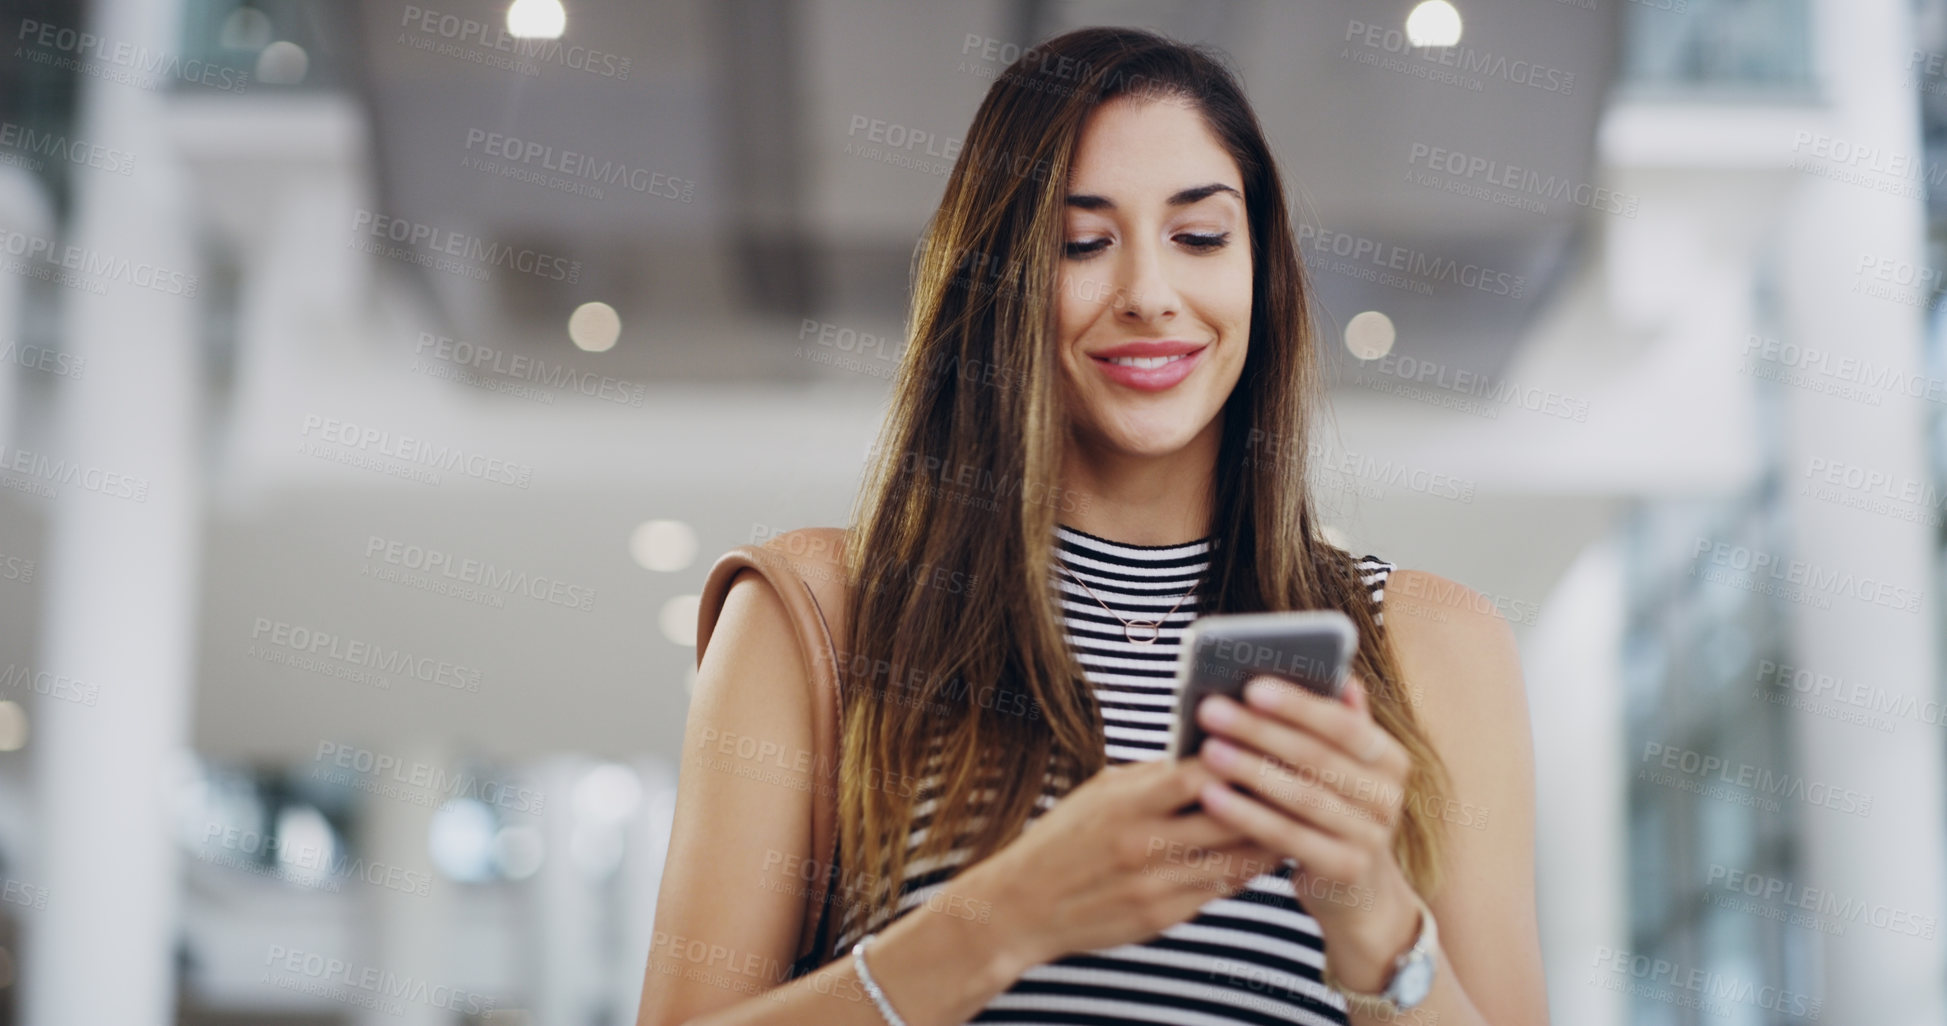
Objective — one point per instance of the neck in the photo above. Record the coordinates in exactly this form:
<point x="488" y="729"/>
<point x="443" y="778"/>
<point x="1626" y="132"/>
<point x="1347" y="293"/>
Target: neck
<point x="1141" y="499"/>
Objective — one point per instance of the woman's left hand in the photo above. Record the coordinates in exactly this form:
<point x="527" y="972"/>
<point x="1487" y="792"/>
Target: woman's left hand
<point x="1318" y="780"/>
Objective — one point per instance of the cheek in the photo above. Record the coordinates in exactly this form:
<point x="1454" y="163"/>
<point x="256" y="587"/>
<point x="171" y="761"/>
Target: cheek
<point x="1079" y="299"/>
<point x="1236" y="292"/>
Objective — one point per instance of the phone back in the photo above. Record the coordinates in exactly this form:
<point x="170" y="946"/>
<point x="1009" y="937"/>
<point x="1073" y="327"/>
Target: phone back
<point x="1221" y="653"/>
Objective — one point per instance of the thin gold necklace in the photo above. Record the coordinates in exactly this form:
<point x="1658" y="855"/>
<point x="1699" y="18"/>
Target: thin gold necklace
<point x="1129" y="627"/>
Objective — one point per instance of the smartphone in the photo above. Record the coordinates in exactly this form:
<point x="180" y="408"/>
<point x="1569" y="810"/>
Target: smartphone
<point x="1222" y="652"/>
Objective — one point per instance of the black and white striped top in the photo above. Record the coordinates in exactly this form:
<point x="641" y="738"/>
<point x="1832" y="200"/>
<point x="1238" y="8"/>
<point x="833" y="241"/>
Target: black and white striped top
<point x="1249" y="960"/>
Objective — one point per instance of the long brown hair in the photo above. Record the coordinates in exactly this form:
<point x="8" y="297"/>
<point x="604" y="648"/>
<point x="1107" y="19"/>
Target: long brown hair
<point x="960" y="671"/>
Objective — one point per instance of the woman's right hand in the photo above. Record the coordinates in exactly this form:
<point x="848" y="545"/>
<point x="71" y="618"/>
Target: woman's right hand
<point x="1113" y="862"/>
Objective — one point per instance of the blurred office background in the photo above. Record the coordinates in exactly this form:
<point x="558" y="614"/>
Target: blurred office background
<point x="380" y="379"/>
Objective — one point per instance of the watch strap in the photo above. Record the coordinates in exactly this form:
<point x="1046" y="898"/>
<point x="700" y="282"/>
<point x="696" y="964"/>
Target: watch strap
<point x="1382" y="1004"/>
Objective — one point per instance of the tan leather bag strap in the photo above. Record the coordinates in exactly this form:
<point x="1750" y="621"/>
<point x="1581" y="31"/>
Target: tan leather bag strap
<point x="791" y="562"/>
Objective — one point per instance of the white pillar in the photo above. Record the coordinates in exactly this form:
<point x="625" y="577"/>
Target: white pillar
<point x="410" y="934"/>
<point x="563" y="910"/>
<point x="121" y="575"/>
<point x="1894" y="855"/>
<point x="641" y="875"/>
<point x="23" y="209"/>
<point x="1573" y="661"/>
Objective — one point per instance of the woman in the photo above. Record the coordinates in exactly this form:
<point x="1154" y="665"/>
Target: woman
<point x="1113" y="261"/>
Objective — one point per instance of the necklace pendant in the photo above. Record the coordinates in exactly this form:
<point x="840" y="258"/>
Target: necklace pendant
<point x="1154" y="628"/>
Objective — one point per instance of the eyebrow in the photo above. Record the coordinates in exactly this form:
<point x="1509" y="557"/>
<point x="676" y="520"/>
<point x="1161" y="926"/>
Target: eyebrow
<point x="1182" y="198"/>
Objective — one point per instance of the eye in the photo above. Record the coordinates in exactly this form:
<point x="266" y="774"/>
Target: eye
<point x="1204" y="243"/>
<point x="1079" y="250"/>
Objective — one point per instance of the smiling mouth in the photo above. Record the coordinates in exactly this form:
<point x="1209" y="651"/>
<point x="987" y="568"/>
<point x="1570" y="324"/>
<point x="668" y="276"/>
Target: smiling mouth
<point x="1145" y="361"/>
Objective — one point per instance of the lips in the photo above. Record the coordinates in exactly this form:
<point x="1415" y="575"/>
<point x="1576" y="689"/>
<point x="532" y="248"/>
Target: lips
<point x="1150" y="365"/>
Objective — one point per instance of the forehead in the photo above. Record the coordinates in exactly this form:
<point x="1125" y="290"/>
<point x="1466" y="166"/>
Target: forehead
<point x="1133" y="149"/>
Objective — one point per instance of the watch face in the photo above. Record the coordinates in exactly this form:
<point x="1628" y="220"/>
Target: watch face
<point x="1413" y="981"/>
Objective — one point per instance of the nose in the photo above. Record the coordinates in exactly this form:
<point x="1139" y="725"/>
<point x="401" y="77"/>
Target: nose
<point x="1144" y="294"/>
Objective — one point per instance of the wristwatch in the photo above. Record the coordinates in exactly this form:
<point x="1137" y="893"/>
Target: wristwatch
<point x="1411" y="980"/>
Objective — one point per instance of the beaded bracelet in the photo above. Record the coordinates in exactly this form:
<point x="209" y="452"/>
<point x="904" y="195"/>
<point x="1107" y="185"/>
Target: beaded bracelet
<point x="872" y="988"/>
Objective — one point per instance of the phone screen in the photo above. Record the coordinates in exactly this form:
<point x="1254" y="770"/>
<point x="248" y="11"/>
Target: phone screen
<point x="1221" y="653"/>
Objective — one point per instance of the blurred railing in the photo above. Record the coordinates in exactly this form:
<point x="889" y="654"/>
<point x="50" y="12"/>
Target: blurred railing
<point x="1717" y="48"/>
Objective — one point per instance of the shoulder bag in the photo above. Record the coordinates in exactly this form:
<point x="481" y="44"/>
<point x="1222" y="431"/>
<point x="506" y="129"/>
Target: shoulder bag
<point x="792" y="562"/>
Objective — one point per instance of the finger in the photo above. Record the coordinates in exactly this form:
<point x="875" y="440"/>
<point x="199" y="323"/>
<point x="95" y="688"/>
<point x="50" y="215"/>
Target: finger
<point x="1321" y="854"/>
<point x="1164" y="786"/>
<point x="1296" y="747"/>
<point x="1304" y="795"/>
<point x="1217" y="871"/>
<point x="1197" y="830"/>
<point x="1354" y="693"/>
<point x="1351" y="730"/>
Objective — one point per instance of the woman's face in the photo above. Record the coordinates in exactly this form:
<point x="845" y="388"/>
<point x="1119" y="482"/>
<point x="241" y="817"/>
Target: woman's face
<point x="1157" y="266"/>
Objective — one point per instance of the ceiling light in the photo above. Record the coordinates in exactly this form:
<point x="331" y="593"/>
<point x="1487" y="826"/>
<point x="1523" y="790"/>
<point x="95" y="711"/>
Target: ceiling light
<point x="1369" y="335"/>
<point x="663" y="545"/>
<point x="595" y="326"/>
<point x="536" y="19"/>
<point x="1433" y="23"/>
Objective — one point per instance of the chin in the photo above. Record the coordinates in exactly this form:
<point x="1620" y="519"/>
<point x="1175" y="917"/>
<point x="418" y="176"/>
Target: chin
<point x="1151" y="436"/>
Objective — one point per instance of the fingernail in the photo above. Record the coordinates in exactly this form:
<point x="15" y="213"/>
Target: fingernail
<point x="1262" y="692"/>
<point x="1217" y="711"/>
<point x="1219" y="752"/>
